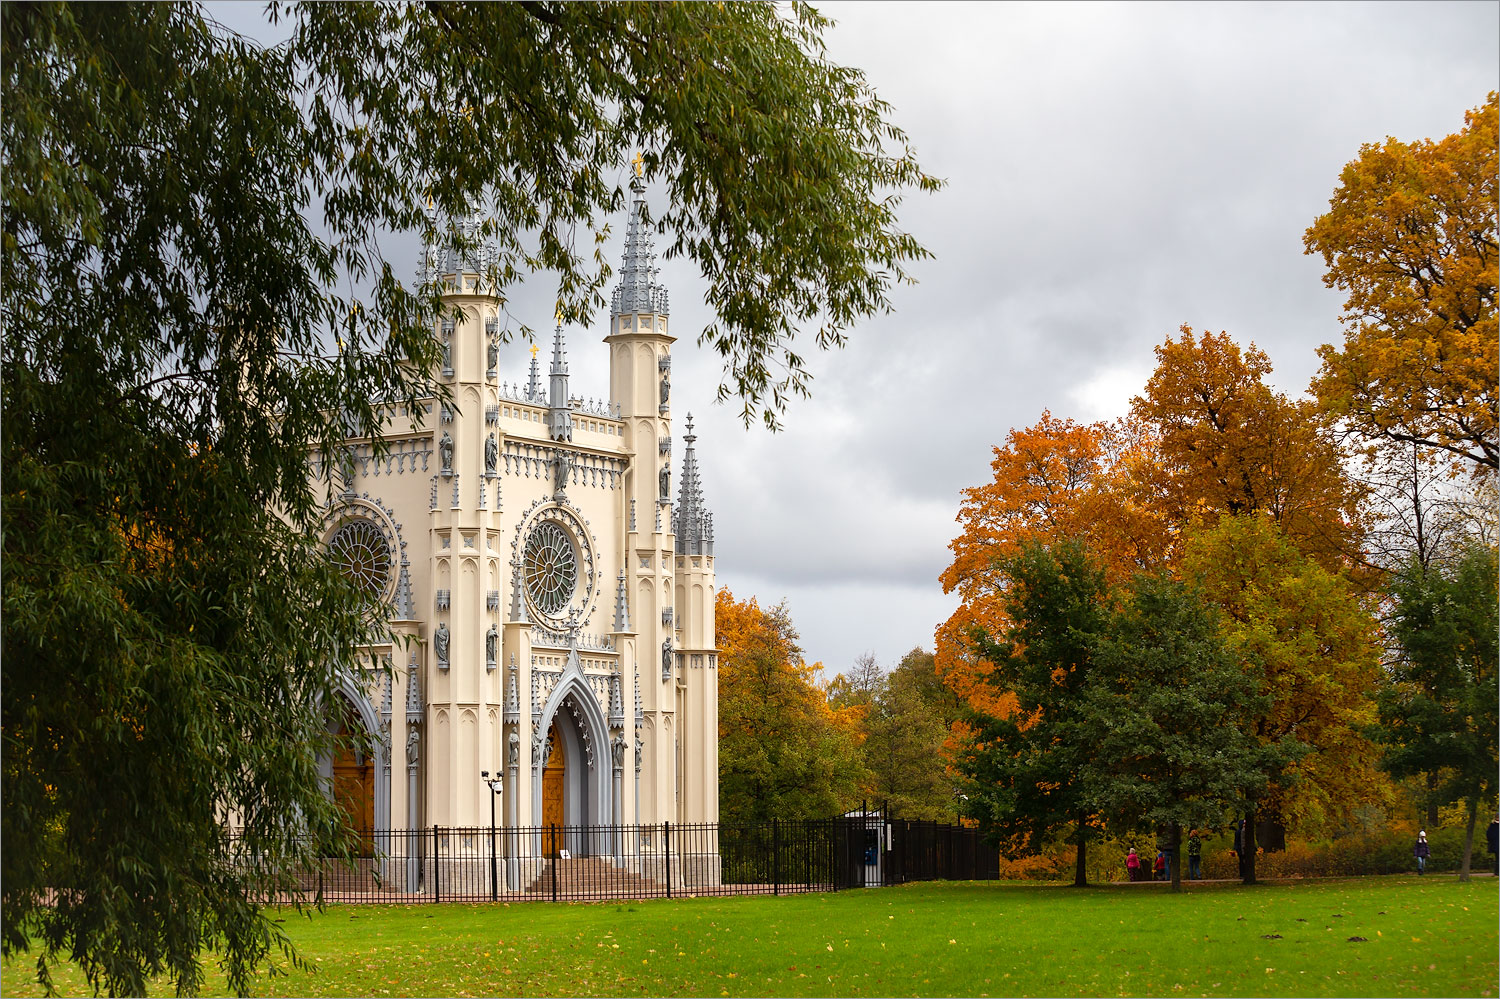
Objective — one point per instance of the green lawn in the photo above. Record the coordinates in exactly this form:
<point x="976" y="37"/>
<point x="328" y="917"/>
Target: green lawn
<point x="1429" y="936"/>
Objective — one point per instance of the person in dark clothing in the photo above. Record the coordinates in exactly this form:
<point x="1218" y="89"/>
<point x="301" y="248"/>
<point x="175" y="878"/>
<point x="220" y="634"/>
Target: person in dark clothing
<point x="1421" y="851"/>
<point x="1195" y="855"/>
<point x="1492" y="838"/>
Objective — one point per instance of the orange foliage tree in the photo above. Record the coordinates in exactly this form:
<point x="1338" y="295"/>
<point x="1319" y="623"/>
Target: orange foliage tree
<point x="1226" y="443"/>
<point x="1411" y="236"/>
<point x="1057" y="479"/>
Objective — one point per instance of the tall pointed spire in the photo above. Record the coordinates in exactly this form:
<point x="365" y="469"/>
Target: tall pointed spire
<point x="559" y="411"/>
<point x="638" y="290"/>
<point x="691" y="521"/>
<point x="534" y="386"/>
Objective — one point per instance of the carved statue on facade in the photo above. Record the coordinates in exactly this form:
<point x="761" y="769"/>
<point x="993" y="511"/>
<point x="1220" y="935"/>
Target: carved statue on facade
<point x="445" y="452"/>
<point x="513" y="753"/>
<point x="492" y="352"/>
<point x="666" y="658"/>
<point x="491" y="454"/>
<point x="665" y="481"/>
<point x="413" y="745"/>
<point x="440" y="644"/>
<point x="617" y="751"/>
<point x="666" y="388"/>
<point x="490" y="638"/>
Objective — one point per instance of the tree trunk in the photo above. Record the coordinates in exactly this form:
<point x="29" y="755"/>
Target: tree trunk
<point x="1080" y="871"/>
<point x="1463" y="870"/>
<point x="1176" y="855"/>
<point x="1248" y="845"/>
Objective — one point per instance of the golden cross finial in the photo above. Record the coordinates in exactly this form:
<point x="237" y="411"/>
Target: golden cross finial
<point x="637" y="163"/>
<point x="533" y="351"/>
<point x="558" y="315"/>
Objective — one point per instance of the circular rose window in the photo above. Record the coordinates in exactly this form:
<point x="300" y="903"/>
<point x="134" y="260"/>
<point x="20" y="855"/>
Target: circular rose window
<point x="551" y="568"/>
<point x="361" y="551"/>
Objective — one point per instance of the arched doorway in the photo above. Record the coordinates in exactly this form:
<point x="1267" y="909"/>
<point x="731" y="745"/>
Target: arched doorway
<point x="571" y="787"/>
<point x="353" y="781"/>
<point x="554" y="792"/>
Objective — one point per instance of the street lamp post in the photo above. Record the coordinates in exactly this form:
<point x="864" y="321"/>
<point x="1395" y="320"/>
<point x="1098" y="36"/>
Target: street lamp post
<point x="495" y="785"/>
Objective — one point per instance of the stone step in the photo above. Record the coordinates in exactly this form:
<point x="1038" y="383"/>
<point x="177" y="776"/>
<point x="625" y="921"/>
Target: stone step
<point x="590" y="876"/>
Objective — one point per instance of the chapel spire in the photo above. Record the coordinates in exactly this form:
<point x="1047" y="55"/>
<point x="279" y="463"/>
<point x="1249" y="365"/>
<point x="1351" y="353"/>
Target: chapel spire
<point x="559" y="410"/>
<point x="638" y="290"/>
<point x="691" y="521"/>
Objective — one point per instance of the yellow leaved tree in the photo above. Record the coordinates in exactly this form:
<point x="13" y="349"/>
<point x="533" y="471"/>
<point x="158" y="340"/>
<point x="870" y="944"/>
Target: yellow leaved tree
<point x="1410" y="235"/>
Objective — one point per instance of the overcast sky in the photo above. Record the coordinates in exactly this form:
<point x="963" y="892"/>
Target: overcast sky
<point x="1113" y="171"/>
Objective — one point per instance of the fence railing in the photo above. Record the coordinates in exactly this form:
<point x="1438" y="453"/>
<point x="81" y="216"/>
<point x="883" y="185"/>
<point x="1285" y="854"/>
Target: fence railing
<point x="573" y="863"/>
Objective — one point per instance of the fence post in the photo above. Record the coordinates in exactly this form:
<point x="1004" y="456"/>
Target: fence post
<point x="552" y="838"/>
<point x="775" y="857"/>
<point x="437" y="884"/>
<point x="666" y="845"/>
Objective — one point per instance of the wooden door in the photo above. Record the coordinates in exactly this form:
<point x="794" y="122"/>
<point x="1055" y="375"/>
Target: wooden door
<point x="354" y="792"/>
<point x="553" y="813"/>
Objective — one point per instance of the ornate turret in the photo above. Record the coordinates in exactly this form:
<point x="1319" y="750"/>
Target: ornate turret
<point x="440" y="257"/>
<point x="638" y="290"/>
<point x="691" y="522"/>
<point x="559" y="413"/>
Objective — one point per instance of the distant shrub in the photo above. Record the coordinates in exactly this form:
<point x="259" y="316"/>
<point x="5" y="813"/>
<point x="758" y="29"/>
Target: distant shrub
<point x="1378" y="853"/>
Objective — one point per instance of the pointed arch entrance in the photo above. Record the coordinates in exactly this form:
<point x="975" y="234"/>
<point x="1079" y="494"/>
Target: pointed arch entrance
<point x="357" y="774"/>
<point x="572" y="787"/>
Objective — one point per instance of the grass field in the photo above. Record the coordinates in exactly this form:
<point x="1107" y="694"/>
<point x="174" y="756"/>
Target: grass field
<point x="1429" y="936"/>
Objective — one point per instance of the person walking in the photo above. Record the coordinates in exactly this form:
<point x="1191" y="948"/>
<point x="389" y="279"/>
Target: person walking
<point x="1195" y="856"/>
<point x="1161" y="866"/>
<point x="1492" y="838"/>
<point x="1133" y="864"/>
<point x="1421" y="851"/>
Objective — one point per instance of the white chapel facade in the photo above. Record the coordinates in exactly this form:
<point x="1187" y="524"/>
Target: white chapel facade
<point x="551" y="562"/>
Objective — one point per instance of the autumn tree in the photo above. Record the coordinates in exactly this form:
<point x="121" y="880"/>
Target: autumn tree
<point x="1165" y="709"/>
<point x="1438" y="716"/>
<point x="1303" y="634"/>
<point x="904" y="719"/>
<point x="190" y="221"/>
<point x="782" y="751"/>
<point x="1410" y="235"/>
<point x="1024" y="770"/>
<point x="1226" y="443"/>
<point x="1057" y="479"/>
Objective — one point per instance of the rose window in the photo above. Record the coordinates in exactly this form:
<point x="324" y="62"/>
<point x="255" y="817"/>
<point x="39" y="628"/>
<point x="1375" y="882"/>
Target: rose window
<point x="363" y="554"/>
<point x="551" y="566"/>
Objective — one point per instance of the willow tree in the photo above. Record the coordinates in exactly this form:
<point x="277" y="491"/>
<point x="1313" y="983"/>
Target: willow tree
<point x="185" y="213"/>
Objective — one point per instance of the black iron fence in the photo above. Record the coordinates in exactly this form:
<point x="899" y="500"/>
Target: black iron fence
<point x="574" y="863"/>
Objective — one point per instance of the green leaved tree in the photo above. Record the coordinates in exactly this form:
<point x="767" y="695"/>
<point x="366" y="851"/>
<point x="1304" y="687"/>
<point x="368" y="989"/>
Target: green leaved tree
<point x="1438" y="716"/>
<point x="190" y="221"/>
<point x="1167" y="707"/>
<point x="1024" y="772"/>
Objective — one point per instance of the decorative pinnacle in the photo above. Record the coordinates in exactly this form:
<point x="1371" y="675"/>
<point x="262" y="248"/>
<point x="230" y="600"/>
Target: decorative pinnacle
<point x="534" y="386"/>
<point x="691" y="521"/>
<point x="638" y="163"/>
<point x="622" y="608"/>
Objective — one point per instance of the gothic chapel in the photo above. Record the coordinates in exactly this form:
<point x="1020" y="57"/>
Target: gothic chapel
<point x="561" y="596"/>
